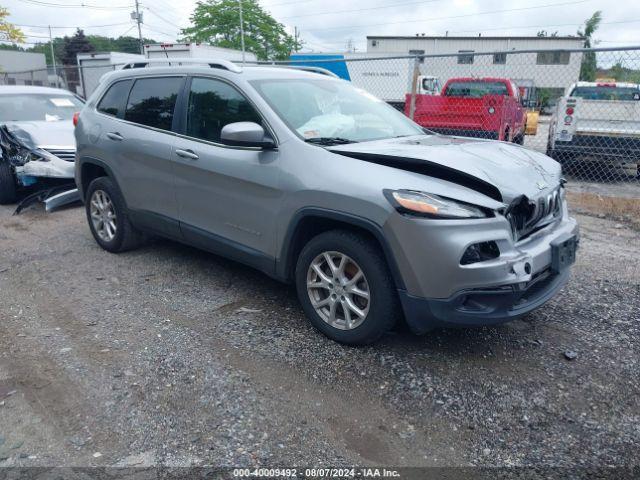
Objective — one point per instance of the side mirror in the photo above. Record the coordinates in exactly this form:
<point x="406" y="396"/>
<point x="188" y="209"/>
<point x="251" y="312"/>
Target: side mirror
<point x="245" y="134"/>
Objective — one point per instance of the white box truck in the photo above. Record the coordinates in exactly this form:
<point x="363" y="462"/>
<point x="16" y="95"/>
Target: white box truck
<point x="195" y="50"/>
<point x="389" y="79"/>
<point x="92" y="66"/>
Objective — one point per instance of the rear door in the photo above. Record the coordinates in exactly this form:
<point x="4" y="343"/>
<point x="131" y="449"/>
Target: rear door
<point x="147" y="176"/>
<point x="227" y="196"/>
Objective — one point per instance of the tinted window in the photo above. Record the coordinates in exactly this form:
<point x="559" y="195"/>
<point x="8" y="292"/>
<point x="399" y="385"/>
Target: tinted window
<point x="475" y="89"/>
<point x="113" y="101"/>
<point x="214" y="104"/>
<point x="152" y="101"/>
<point x="607" y="92"/>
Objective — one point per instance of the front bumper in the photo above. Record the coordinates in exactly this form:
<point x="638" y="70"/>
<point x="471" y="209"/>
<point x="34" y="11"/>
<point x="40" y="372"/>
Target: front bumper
<point x="439" y="291"/>
<point x="482" y="306"/>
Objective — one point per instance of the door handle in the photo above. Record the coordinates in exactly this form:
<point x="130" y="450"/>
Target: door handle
<point x="115" y="136"/>
<point x="187" y="154"/>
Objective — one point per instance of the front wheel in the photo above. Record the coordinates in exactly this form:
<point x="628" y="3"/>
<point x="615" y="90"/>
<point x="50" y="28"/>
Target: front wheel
<point x="8" y="187"/>
<point x="108" y="218"/>
<point x="345" y="287"/>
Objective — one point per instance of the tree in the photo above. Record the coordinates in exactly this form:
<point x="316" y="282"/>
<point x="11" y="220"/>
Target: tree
<point x="79" y="43"/>
<point x="9" y="32"/>
<point x="218" y="22"/>
<point x="589" y="61"/>
<point x="72" y="47"/>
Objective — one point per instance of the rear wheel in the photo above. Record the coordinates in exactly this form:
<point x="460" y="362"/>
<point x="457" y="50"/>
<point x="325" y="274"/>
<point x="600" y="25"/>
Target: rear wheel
<point x="108" y="218"/>
<point x="345" y="288"/>
<point x="8" y="186"/>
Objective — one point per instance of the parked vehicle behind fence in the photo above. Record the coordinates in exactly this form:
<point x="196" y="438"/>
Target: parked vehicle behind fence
<point x="473" y="107"/>
<point x="598" y="120"/>
<point x="316" y="182"/>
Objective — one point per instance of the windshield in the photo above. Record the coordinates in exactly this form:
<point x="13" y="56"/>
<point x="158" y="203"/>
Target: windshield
<point x="325" y="108"/>
<point x="475" y="89"/>
<point x="606" y="92"/>
<point x="28" y="107"/>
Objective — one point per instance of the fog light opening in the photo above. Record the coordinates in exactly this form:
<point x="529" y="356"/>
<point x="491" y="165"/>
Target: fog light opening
<point x="480" y="252"/>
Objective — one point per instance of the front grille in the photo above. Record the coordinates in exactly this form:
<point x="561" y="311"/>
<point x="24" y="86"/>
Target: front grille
<point x="527" y="216"/>
<point x="68" y="155"/>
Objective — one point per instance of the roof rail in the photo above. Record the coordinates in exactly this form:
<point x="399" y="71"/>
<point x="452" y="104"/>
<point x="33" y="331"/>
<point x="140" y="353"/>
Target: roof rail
<point x="174" y="62"/>
<point x="307" y="68"/>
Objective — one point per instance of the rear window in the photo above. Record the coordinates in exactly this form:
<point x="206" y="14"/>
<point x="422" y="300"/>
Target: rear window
<point x="607" y="92"/>
<point x="114" y="100"/>
<point x="475" y="89"/>
<point x="152" y="101"/>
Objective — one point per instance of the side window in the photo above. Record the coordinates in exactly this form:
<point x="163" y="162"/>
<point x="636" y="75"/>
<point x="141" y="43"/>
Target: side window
<point x="152" y="101"/>
<point x="214" y="104"/>
<point x="113" y="101"/>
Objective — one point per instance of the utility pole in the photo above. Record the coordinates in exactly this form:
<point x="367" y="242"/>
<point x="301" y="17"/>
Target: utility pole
<point x="53" y="58"/>
<point x="137" y="16"/>
<point x="296" y="36"/>
<point x="241" y="29"/>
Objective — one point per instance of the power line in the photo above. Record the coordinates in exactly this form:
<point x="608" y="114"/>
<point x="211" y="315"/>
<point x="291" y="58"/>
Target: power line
<point x="162" y="18"/>
<point x="360" y="9"/>
<point x="41" y="3"/>
<point x="433" y="19"/>
<point x="159" y="31"/>
<point x="72" y="26"/>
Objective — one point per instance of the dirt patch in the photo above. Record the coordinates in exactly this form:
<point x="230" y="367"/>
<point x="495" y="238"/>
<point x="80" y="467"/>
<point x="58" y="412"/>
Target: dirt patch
<point x="622" y="209"/>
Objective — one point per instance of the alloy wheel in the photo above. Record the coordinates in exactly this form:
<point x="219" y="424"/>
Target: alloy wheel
<point x="338" y="290"/>
<point x="103" y="215"/>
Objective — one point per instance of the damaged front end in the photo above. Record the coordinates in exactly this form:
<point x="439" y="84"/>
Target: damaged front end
<point x="34" y="168"/>
<point x="30" y="162"/>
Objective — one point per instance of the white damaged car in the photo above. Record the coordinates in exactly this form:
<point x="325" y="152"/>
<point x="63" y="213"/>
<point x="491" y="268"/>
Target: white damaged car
<point x="36" y="137"/>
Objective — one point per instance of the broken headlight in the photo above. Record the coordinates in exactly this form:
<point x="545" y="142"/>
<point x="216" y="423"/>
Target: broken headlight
<point x="433" y="206"/>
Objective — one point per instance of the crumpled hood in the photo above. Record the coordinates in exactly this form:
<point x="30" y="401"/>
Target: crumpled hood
<point x="57" y="134"/>
<point x="496" y="169"/>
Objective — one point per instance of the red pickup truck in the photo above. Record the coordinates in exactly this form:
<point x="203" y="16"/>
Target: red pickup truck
<point x="473" y="107"/>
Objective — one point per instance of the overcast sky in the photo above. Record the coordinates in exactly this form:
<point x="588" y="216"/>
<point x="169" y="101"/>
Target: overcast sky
<point x="328" y="25"/>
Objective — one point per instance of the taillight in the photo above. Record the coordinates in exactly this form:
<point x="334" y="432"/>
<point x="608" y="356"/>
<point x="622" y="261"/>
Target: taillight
<point x="76" y="116"/>
<point x="570" y="111"/>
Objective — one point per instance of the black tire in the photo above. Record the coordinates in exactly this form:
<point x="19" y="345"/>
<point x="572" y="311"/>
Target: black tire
<point x="126" y="237"/>
<point x="8" y="186"/>
<point x="384" y="306"/>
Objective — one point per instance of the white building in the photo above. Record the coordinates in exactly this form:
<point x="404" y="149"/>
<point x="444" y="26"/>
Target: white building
<point x="546" y="67"/>
<point x="23" y="68"/>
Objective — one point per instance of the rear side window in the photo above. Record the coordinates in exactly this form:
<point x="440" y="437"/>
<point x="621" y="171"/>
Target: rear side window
<point x="113" y="101"/>
<point x="152" y="101"/>
<point x="214" y="104"/>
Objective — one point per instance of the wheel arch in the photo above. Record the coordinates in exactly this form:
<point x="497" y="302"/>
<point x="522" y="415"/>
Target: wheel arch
<point x="91" y="168"/>
<point x="310" y="222"/>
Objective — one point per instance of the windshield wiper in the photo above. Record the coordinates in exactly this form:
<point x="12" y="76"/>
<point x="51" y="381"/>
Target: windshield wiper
<point x="329" y="140"/>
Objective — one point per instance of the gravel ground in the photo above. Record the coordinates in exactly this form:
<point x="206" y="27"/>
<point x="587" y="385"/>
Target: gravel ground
<point x="168" y="355"/>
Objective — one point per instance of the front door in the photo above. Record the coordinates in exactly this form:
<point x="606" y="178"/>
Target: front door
<point x="227" y="196"/>
<point x="147" y="140"/>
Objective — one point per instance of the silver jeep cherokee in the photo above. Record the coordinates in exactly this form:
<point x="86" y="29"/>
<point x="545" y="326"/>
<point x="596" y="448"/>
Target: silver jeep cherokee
<point x="311" y="180"/>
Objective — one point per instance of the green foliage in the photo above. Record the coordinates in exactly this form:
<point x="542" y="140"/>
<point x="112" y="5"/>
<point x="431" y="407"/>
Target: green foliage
<point x="75" y="45"/>
<point x="9" y="32"/>
<point x="621" y="73"/>
<point x="218" y="22"/>
<point x="98" y="42"/>
<point x="589" y="63"/>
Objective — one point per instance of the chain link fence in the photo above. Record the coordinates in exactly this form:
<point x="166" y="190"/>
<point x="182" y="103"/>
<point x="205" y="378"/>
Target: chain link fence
<point x="530" y="97"/>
